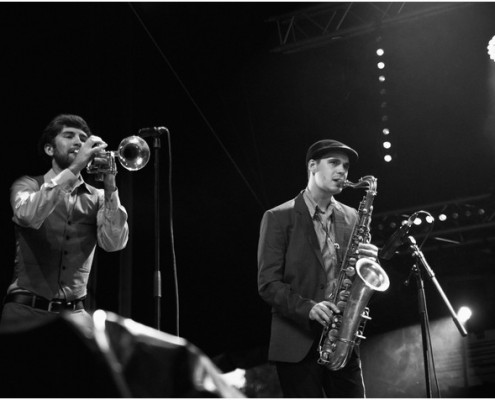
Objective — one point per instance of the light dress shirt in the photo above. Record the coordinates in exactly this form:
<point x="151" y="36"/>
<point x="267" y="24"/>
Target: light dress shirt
<point x="325" y="232"/>
<point x="57" y="228"/>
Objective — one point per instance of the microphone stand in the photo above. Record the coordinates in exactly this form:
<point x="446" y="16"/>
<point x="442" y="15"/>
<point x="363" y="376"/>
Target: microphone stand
<point x="155" y="133"/>
<point x="425" y="325"/>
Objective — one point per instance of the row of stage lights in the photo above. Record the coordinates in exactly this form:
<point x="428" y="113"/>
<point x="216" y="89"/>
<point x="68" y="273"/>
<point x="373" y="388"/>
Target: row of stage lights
<point x="457" y="216"/>
<point x="386" y="144"/>
<point x="380" y="52"/>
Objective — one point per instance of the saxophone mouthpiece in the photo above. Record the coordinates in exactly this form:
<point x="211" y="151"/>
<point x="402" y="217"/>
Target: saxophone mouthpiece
<point x="346" y="183"/>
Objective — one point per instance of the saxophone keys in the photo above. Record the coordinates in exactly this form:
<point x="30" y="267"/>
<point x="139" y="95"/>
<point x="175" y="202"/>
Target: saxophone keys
<point x="350" y="271"/>
<point x="344" y="294"/>
<point x="366" y="317"/>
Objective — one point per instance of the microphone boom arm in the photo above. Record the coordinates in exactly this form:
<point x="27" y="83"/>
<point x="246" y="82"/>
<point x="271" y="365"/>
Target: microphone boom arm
<point x="418" y="254"/>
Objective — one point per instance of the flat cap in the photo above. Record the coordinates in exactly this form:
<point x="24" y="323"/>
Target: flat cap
<point x="323" y="147"/>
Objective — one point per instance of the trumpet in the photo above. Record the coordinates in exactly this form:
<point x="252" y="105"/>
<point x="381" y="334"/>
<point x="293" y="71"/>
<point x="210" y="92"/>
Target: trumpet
<point x="133" y="154"/>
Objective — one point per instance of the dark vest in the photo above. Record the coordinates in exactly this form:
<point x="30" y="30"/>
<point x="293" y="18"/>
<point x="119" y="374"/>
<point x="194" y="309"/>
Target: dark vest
<point x="55" y="260"/>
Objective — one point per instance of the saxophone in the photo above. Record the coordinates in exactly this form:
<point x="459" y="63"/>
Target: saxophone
<point x="358" y="280"/>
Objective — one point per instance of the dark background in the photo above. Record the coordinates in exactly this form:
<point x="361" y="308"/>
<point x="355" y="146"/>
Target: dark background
<point x="241" y="117"/>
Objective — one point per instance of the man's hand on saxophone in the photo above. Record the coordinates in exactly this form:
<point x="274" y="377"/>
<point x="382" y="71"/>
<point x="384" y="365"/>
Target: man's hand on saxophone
<point x="323" y="311"/>
<point x="368" y="250"/>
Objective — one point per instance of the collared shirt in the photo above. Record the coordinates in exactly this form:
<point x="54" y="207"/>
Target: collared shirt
<point x="325" y="232"/>
<point x="57" y="228"/>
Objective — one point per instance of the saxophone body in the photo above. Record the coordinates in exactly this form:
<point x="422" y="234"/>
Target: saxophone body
<point x="358" y="279"/>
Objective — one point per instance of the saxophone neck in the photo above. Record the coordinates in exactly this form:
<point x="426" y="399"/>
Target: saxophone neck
<point x="368" y="182"/>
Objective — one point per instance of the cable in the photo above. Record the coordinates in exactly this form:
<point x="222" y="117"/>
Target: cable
<point x="198" y="109"/>
<point x="172" y="236"/>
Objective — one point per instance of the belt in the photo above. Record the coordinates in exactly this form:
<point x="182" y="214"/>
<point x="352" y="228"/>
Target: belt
<point x="41" y="303"/>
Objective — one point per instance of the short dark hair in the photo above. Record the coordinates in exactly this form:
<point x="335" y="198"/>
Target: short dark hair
<point x="55" y="127"/>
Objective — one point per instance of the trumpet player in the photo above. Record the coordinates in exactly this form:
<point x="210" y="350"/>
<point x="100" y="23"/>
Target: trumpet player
<point x="59" y="220"/>
<point x="300" y="250"/>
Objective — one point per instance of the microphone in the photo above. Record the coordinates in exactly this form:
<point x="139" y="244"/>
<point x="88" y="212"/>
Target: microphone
<point x="153" y="131"/>
<point x="396" y="240"/>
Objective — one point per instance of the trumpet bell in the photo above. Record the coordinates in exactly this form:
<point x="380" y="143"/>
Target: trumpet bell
<point x="133" y="153"/>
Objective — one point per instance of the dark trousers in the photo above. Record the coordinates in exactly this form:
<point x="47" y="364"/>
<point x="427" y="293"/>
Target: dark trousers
<point x="309" y="379"/>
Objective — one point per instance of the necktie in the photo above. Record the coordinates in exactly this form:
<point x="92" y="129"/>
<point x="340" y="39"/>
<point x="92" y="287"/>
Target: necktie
<point x="328" y="245"/>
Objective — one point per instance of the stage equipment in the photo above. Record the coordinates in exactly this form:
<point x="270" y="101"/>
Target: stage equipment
<point x="396" y="240"/>
<point x="104" y="356"/>
<point x="420" y="261"/>
<point x="133" y="154"/>
<point x="358" y="280"/>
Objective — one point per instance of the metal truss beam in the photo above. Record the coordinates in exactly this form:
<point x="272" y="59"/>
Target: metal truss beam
<point x="322" y="24"/>
<point x="469" y="220"/>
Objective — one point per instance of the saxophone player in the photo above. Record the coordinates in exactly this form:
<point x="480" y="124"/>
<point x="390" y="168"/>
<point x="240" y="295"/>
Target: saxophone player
<point x="300" y="250"/>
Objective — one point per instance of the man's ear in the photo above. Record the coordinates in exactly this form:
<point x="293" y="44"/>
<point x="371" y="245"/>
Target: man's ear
<point x="48" y="147"/>
<point x="311" y="166"/>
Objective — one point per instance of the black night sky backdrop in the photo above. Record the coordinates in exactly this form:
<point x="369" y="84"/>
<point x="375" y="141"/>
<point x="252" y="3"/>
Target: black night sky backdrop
<point x="241" y="117"/>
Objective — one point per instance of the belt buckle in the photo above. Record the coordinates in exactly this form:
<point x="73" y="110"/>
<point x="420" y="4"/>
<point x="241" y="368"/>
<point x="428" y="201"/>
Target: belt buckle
<point x="50" y="305"/>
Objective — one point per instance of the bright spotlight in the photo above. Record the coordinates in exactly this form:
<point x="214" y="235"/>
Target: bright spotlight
<point x="380" y="65"/>
<point x="387" y="158"/>
<point x="491" y="48"/>
<point x="387" y="145"/>
<point x="380" y="52"/>
<point x="464" y="314"/>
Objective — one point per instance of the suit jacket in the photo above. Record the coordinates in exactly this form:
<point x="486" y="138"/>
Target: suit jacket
<point x="291" y="273"/>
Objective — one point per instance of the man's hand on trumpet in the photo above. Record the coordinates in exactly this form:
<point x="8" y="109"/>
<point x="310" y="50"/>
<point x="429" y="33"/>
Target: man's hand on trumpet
<point x="88" y="150"/>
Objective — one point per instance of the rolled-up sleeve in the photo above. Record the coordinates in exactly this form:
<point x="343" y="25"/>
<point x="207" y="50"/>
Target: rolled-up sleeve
<point x="113" y="230"/>
<point x="32" y="204"/>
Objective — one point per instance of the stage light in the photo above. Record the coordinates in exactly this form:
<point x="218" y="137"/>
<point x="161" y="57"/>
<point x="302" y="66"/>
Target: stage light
<point x="491" y="48"/>
<point x="464" y="314"/>
<point x="380" y="52"/>
<point x="380" y="65"/>
<point x="387" y="145"/>
<point x="386" y="131"/>
<point x="387" y="158"/>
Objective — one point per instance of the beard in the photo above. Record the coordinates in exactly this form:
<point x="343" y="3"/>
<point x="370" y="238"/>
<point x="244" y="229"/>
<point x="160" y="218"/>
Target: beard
<point x="62" y="160"/>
